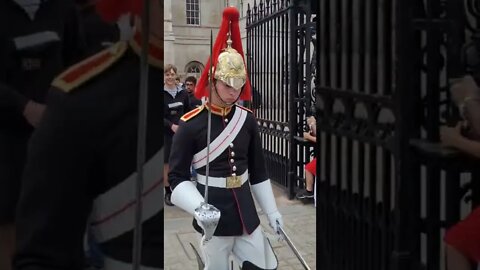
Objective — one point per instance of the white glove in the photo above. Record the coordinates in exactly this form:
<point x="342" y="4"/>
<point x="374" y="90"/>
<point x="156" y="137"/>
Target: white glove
<point x="275" y="220"/>
<point x="126" y="30"/>
<point x="263" y="193"/>
<point x="186" y="196"/>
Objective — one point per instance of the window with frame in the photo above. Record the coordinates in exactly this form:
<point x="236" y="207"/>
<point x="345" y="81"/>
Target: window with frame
<point x="194" y="68"/>
<point x="193" y="12"/>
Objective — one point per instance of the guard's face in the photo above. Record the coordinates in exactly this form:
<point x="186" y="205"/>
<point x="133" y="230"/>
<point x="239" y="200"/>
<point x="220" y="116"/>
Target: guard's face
<point x="227" y="93"/>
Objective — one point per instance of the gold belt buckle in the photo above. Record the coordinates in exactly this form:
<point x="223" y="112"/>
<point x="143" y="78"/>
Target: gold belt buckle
<point x="234" y="181"/>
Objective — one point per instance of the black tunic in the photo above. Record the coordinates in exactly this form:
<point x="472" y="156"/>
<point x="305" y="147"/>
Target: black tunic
<point x="86" y="147"/>
<point x="238" y="213"/>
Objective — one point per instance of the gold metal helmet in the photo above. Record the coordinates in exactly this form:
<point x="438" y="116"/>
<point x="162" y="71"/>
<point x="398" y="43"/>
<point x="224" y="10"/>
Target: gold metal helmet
<point x="230" y="67"/>
<point x="226" y="63"/>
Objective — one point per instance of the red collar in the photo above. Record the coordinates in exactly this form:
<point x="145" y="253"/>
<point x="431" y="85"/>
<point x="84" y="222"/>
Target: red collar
<point x="222" y="111"/>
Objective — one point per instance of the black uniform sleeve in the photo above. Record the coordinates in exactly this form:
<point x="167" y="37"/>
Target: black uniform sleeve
<point x="53" y="204"/>
<point x="256" y="160"/>
<point x="181" y="155"/>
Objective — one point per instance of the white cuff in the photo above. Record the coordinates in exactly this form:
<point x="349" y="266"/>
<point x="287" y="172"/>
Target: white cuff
<point x="263" y="193"/>
<point x="186" y="196"/>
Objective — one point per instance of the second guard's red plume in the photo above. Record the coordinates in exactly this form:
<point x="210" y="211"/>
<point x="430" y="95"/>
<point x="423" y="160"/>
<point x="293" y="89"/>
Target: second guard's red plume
<point x="111" y="10"/>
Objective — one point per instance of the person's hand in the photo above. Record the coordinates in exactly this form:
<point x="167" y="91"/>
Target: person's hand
<point x="33" y="113"/>
<point x="308" y="136"/>
<point x="450" y="135"/>
<point x="174" y="128"/>
<point x="276" y="221"/>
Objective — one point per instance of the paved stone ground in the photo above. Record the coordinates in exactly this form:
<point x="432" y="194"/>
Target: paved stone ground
<point x="300" y="224"/>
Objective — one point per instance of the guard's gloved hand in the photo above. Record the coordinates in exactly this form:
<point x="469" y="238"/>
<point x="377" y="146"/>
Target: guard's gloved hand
<point x="275" y="219"/>
<point x="186" y="196"/>
<point x="263" y="193"/>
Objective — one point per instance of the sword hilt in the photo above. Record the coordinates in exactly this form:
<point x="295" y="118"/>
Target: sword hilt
<point x="208" y="216"/>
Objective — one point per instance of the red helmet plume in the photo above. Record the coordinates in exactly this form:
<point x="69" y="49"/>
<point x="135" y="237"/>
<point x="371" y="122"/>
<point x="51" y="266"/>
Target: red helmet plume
<point x="111" y="10"/>
<point x="230" y="22"/>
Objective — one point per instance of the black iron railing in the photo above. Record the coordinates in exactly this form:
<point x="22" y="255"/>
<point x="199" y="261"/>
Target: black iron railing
<point x="279" y="58"/>
<point x="377" y="73"/>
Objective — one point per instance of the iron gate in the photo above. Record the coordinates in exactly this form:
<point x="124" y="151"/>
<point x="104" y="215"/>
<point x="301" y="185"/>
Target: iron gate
<point x="387" y="188"/>
<point x="440" y="42"/>
<point x="358" y="140"/>
<point x="380" y="72"/>
<point x="280" y="54"/>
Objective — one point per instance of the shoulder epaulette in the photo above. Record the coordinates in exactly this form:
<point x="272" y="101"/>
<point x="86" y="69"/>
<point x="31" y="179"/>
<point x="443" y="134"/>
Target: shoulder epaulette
<point x="87" y="69"/>
<point x="245" y="108"/>
<point x="191" y="114"/>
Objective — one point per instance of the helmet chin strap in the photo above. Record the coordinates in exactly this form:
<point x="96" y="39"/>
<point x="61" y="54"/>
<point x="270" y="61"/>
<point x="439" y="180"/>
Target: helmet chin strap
<point x="223" y="101"/>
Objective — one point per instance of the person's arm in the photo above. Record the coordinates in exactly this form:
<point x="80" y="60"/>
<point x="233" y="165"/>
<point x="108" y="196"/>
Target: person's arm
<point x="310" y="137"/>
<point x="167" y="124"/>
<point x="452" y="137"/>
<point x="184" y="193"/>
<point x="260" y="183"/>
<point x="12" y="100"/>
<point x="54" y="201"/>
<point x="181" y="155"/>
<point x="468" y="146"/>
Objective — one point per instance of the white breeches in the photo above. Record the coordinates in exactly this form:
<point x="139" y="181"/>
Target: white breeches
<point x="254" y="248"/>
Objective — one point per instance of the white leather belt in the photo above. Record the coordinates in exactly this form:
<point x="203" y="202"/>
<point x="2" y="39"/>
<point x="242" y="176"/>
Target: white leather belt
<point x="224" y="182"/>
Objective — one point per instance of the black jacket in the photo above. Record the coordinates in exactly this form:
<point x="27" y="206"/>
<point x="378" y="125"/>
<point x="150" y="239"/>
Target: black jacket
<point x="82" y="154"/>
<point x="237" y="208"/>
